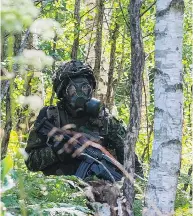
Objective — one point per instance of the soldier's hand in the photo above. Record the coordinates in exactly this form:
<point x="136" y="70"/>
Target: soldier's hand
<point x="64" y="139"/>
<point x="67" y="144"/>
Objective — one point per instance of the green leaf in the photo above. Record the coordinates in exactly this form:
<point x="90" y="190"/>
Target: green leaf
<point x="7" y="165"/>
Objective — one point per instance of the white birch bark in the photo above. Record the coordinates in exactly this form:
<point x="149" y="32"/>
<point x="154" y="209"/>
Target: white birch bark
<point x="89" y="47"/>
<point x="103" y="81"/>
<point x="165" y="164"/>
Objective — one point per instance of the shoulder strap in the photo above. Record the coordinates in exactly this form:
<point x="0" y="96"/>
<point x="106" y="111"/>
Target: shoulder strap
<point x="62" y="114"/>
<point x="63" y="117"/>
<point x="53" y="115"/>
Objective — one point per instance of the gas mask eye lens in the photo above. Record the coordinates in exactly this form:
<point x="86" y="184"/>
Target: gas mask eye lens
<point x="86" y="89"/>
<point x="70" y="90"/>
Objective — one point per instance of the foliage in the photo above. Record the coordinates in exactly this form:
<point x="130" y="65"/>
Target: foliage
<point x="26" y="193"/>
<point x="40" y="194"/>
<point x="30" y="71"/>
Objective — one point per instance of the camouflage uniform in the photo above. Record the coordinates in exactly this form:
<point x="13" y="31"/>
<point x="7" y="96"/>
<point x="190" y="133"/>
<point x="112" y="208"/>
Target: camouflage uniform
<point x="73" y="84"/>
<point x="43" y="158"/>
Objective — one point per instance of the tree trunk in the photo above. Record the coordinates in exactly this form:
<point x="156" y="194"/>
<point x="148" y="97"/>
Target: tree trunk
<point x="8" y="126"/>
<point x="4" y="84"/>
<point x="22" y="118"/>
<point x="9" y="87"/>
<point x="28" y="76"/>
<point x="98" y="44"/>
<point x="109" y="99"/>
<point x="165" y="164"/>
<point x="9" y="101"/>
<point x="75" y="46"/>
<point x="89" y="47"/>
<point x="53" y="66"/>
<point x="120" y="63"/>
<point x="3" y="46"/>
<point x="188" y="183"/>
<point x="17" y="43"/>
<point x="104" y="65"/>
<point x="101" y="36"/>
<point x="137" y="67"/>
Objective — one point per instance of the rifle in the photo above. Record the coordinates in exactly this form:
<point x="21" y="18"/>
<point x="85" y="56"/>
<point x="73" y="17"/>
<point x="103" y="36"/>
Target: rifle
<point x="95" y="159"/>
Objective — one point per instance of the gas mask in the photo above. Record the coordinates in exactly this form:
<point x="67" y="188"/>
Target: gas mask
<point x="78" y="95"/>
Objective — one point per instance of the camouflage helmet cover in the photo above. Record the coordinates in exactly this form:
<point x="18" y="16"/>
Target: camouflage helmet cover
<point x="69" y="70"/>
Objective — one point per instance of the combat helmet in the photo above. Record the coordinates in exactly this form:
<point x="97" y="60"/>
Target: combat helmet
<point x="69" y="70"/>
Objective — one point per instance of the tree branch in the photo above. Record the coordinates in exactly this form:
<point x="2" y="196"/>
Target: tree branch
<point x="88" y="12"/>
<point x="148" y="8"/>
<point x="127" y="24"/>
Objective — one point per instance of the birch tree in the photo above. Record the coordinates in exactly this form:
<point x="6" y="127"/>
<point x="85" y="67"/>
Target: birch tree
<point x="75" y="46"/>
<point x="101" y="61"/>
<point x="165" y="163"/>
<point x="109" y="96"/>
<point x="98" y="44"/>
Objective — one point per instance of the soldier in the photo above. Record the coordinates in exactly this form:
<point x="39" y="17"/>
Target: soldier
<point x="74" y="84"/>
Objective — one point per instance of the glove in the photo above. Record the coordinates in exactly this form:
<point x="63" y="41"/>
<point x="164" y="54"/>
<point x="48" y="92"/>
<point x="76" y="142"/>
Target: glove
<point x="65" y="147"/>
<point x="60" y="148"/>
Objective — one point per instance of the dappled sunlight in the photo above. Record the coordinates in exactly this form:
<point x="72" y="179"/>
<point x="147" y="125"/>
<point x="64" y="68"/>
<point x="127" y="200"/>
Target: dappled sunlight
<point x="119" y="111"/>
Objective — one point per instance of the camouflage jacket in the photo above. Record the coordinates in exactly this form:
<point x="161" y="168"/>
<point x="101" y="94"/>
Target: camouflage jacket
<point x="41" y="157"/>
